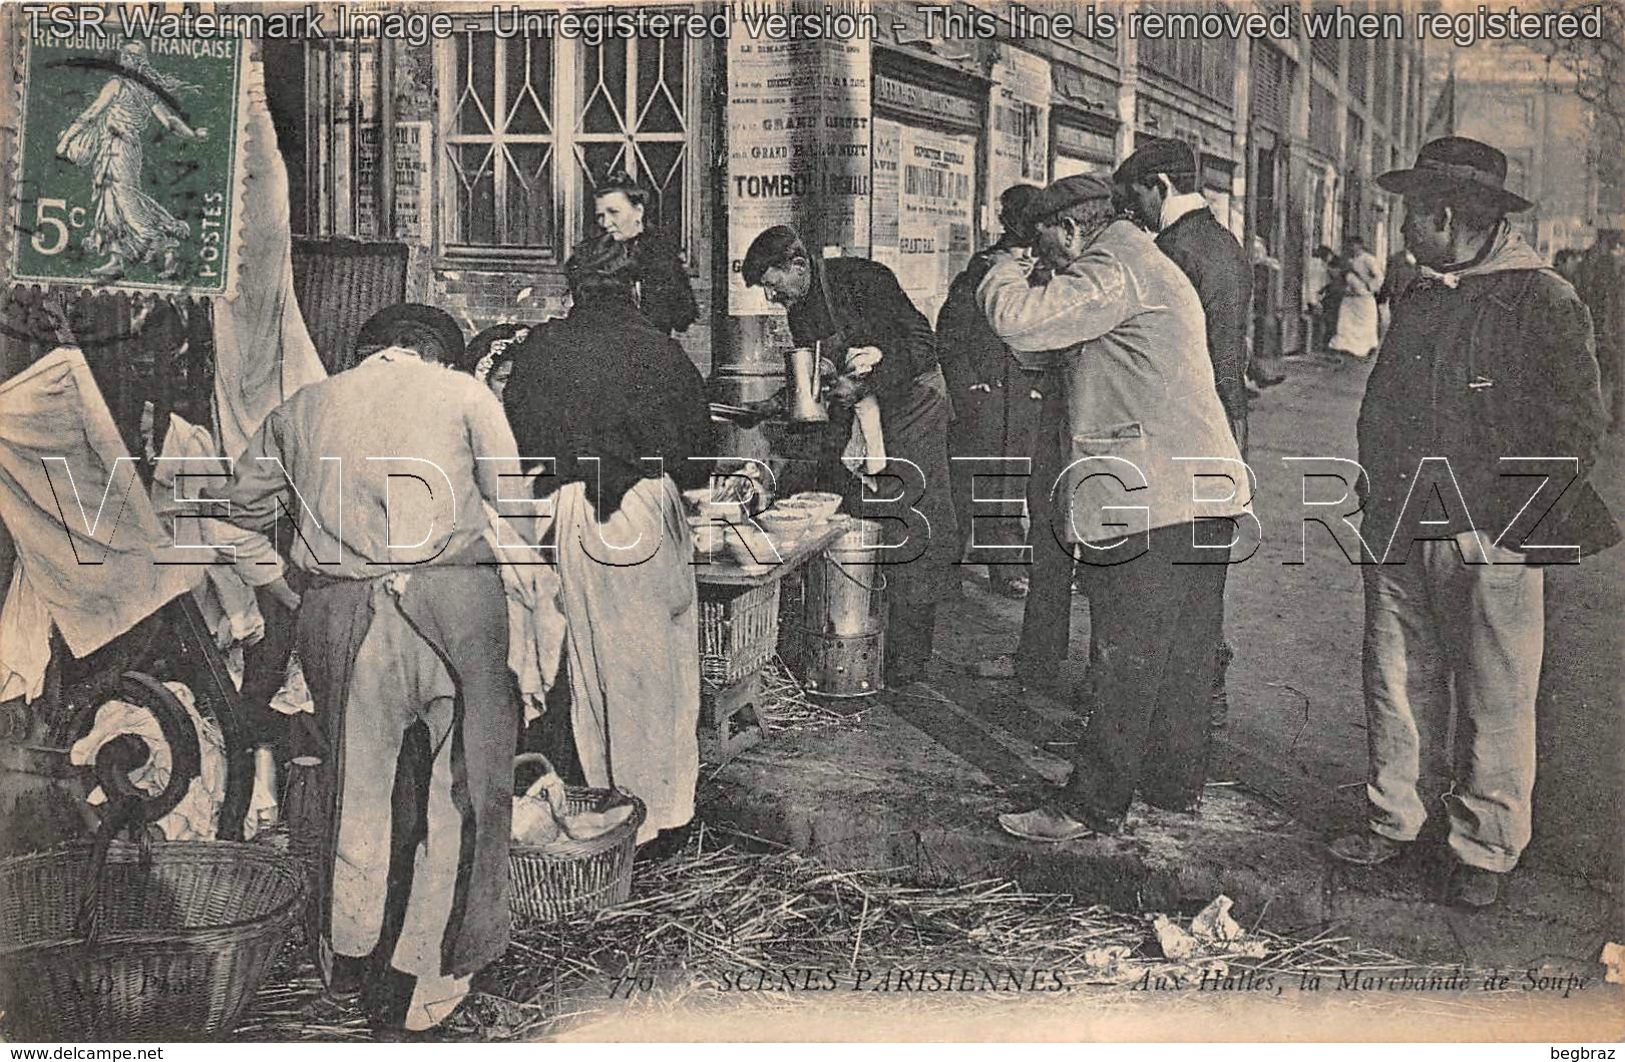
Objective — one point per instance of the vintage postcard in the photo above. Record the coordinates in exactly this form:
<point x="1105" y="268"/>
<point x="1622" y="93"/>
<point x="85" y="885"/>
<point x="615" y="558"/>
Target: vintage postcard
<point x="795" y="521"/>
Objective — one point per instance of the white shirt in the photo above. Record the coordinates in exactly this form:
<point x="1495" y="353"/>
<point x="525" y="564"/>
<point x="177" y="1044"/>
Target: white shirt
<point x="1177" y="206"/>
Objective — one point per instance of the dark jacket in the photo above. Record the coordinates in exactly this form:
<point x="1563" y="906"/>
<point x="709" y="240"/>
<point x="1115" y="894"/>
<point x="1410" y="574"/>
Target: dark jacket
<point x="1499" y="366"/>
<point x="970" y="351"/>
<point x="1211" y="256"/>
<point x="664" y="294"/>
<point x="867" y="307"/>
<point x="604" y="384"/>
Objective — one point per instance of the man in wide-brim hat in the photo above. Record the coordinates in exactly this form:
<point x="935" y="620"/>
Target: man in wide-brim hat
<point x="1487" y="381"/>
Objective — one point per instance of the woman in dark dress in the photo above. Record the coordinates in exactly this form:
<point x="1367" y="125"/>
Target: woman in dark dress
<point x="660" y="282"/>
<point x="620" y="410"/>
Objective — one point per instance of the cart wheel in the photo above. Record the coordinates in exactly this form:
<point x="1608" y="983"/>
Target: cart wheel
<point x="119" y="756"/>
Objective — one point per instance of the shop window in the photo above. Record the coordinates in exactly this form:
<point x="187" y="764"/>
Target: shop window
<point x="1196" y="64"/>
<point x="1323" y="120"/>
<point x="530" y="126"/>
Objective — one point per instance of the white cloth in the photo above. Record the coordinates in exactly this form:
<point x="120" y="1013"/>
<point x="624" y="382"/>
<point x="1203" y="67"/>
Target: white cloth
<point x="263" y="352"/>
<point x="197" y="816"/>
<point x="628" y="593"/>
<point x="867" y="447"/>
<point x="1357" y="326"/>
<point x="86" y="534"/>
<point x="535" y="619"/>
<point x="242" y="560"/>
<point x="1358" y="323"/>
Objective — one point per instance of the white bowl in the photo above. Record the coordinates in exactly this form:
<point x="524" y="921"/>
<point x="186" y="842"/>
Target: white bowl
<point x="820" y="504"/>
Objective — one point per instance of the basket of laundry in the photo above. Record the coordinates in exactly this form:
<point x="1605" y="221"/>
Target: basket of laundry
<point x="572" y="847"/>
<point x="138" y="942"/>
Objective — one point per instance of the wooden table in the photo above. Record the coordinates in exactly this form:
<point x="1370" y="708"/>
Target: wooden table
<point x="739" y="627"/>
<point x="720" y="573"/>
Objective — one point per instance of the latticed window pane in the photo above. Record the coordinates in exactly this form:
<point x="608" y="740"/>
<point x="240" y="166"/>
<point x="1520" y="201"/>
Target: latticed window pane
<point x="532" y="217"/>
<point x="529" y="78"/>
<point x="499" y="143"/>
<point x="476" y="65"/>
<point x="631" y="118"/>
<point x="530" y="125"/>
<point x="476" y="194"/>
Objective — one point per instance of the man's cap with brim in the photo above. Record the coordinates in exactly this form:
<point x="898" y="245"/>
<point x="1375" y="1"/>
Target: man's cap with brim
<point x="769" y="249"/>
<point x="384" y="327"/>
<point x="1066" y="193"/>
<point x="1457" y="164"/>
<point x="1173" y="157"/>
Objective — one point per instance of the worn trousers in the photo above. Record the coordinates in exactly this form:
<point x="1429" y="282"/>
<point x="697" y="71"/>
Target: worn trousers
<point x="1436" y="625"/>
<point x="415" y="695"/>
<point x="1153" y="622"/>
<point x="1046" y="621"/>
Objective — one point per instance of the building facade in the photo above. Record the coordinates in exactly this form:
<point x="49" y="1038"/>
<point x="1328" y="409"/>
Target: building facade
<point x="1560" y="153"/>
<point x="888" y="135"/>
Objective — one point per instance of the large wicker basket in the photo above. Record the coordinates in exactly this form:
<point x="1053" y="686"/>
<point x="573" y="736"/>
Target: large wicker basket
<point x="569" y="876"/>
<point x="182" y="943"/>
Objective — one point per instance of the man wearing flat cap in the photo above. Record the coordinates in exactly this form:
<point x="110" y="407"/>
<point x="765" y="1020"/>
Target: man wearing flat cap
<point x="1124" y="328"/>
<point x="1486" y="387"/>
<point x="881" y="346"/>
<point x="1159" y="183"/>
<point x="403" y="633"/>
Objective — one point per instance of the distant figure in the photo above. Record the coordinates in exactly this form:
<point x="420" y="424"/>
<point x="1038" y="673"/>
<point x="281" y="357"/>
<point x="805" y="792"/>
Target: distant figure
<point x="1357" y="318"/>
<point x="660" y="284"/>
<point x="1320" y="296"/>
<point x="1567" y="264"/>
<point x="1601" y="283"/>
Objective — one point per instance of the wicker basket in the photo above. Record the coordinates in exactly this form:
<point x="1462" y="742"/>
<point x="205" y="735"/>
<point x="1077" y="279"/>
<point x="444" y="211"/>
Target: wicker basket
<point x="568" y="876"/>
<point x="739" y="632"/>
<point x="183" y="942"/>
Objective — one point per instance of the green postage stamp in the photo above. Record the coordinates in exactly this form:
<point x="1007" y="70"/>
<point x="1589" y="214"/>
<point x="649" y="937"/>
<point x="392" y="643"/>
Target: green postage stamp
<point x="130" y="163"/>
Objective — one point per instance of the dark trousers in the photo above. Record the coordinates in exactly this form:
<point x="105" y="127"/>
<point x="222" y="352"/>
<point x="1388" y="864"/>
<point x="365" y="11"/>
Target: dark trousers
<point x="1000" y="422"/>
<point x="1154" y="621"/>
<point x="1046" y="622"/>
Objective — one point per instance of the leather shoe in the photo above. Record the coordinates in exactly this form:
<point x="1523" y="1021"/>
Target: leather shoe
<point x="1365" y="849"/>
<point x="1042" y="824"/>
<point x="1474" y="886"/>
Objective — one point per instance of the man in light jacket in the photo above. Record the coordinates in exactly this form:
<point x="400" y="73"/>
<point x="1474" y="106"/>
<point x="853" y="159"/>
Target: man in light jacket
<point x="1146" y="495"/>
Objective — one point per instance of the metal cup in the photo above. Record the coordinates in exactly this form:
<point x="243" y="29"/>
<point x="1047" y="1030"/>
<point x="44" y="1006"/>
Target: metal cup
<point x="801" y="380"/>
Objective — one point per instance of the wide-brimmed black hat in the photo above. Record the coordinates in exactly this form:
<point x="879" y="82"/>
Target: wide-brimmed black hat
<point x="1173" y="157"/>
<point x="1457" y="164"/>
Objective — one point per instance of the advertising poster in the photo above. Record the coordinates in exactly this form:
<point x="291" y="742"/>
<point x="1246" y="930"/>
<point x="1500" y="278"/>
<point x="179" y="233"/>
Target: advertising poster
<point x="935" y="213"/>
<point x="1018" y="148"/>
<point x="130" y="163"/>
<point x="883" y="232"/>
<point x="798" y="136"/>
<point x="412" y="147"/>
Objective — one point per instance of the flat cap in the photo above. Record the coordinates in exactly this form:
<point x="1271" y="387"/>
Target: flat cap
<point x="1156" y="156"/>
<point x="1068" y="192"/>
